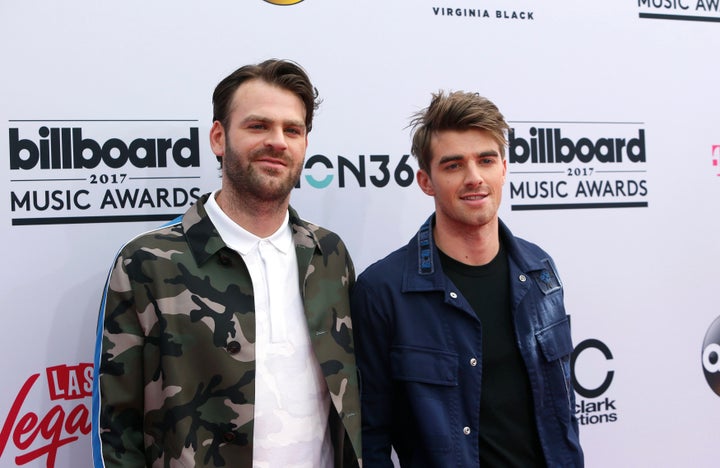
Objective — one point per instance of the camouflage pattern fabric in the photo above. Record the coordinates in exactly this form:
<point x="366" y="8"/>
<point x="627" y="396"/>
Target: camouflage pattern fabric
<point x="177" y="359"/>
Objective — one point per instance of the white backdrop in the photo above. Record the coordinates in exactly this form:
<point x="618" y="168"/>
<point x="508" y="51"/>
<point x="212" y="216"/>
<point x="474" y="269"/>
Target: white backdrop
<point x="633" y="83"/>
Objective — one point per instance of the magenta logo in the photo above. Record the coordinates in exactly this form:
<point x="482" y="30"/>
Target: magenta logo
<point x="711" y="356"/>
<point x="716" y="158"/>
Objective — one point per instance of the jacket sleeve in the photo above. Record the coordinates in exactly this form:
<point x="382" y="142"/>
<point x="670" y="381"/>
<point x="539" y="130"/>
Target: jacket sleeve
<point x="117" y="437"/>
<point x="372" y="346"/>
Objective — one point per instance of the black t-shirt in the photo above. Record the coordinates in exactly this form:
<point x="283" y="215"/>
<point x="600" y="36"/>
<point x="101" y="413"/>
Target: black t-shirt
<point x="508" y="434"/>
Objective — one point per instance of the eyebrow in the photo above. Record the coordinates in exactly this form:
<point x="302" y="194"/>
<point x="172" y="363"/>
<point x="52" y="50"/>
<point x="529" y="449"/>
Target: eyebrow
<point x="455" y="157"/>
<point x="448" y="158"/>
<point x="260" y="118"/>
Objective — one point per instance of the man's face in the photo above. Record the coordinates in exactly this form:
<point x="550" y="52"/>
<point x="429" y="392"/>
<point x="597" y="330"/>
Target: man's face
<point x="466" y="178"/>
<point x="263" y="146"/>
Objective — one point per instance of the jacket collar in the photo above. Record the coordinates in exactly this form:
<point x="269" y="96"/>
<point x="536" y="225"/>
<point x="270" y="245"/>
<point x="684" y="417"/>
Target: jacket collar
<point x="423" y="271"/>
<point x="204" y="240"/>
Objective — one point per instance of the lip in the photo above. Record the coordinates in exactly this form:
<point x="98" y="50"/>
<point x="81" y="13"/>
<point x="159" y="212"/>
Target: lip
<point x="271" y="161"/>
<point x="474" y="197"/>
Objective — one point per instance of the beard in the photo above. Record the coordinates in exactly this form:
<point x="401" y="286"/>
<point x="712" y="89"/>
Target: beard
<point x="263" y="184"/>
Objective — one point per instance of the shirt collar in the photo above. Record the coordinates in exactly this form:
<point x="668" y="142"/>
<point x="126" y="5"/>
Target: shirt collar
<point x="240" y="239"/>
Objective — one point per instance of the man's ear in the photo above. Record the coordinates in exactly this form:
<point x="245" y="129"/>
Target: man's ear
<point x="425" y="182"/>
<point x="217" y="139"/>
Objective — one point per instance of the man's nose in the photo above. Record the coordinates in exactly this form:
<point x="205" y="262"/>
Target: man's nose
<point x="473" y="175"/>
<point x="276" y="139"/>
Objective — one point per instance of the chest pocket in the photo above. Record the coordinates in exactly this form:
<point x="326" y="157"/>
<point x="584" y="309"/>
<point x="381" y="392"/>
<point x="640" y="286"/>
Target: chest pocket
<point x="555" y="340"/>
<point x="556" y="346"/>
<point x="424" y="365"/>
<point x="429" y="378"/>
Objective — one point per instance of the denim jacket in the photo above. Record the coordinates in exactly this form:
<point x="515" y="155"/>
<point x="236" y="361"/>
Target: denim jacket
<point x="418" y="345"/>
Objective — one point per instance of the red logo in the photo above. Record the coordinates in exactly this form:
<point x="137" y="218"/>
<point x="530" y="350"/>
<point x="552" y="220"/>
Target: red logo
<point x="37" y="435"/>
<point x="716" y="157"/>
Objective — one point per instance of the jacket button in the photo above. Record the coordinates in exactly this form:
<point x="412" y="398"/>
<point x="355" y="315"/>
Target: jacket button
<point x="229" y="436"/>
<point x="453" y="295"/>
<point x="522" y="278"/>
<point x="233" y="347"/>
<point x="466" y="430"/>
<point x="473" y="362"/>
<point x="224" y="260"/>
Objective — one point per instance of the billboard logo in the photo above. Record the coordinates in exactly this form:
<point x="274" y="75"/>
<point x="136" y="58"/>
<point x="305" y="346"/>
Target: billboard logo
<point x="711" y="356"/>
<point x="577" y="165"/>
<point x="65" y="148"/>
<point x="547" y="145"/>
<point x="715" y="158"/>
<point x="102" y="171"/>
<point x="594" y="406"/>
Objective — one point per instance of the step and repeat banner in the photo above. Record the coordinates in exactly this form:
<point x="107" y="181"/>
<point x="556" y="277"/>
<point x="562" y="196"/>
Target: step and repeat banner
<point x="614" y="105"/>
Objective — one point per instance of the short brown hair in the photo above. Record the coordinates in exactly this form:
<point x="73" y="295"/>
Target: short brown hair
<point x="456" y="110"/>
<point x="282" y="73"/>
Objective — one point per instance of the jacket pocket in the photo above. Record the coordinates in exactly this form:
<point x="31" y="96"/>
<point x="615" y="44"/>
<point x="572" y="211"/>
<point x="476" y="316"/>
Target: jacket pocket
<point x="556" y="346"/>
<point x="429" y="382"/>
<point x="555" y="340"/>
<point x="424" y="365"/>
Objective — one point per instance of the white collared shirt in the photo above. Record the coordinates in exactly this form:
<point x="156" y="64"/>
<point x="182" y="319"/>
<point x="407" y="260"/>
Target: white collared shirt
<point x="292" y="401"/>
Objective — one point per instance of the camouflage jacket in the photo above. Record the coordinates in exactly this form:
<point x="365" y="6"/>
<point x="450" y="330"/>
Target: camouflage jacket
<point x="175" y="355"/>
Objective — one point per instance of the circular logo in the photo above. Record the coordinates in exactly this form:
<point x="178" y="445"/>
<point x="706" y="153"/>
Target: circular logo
<point x="592" y="392"/>
<point x="711" y="356"/>
<point x="283" y="2"/>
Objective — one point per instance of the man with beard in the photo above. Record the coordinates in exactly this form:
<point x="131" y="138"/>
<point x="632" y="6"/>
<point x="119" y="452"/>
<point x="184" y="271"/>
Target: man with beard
<point x="224" y="337"/>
